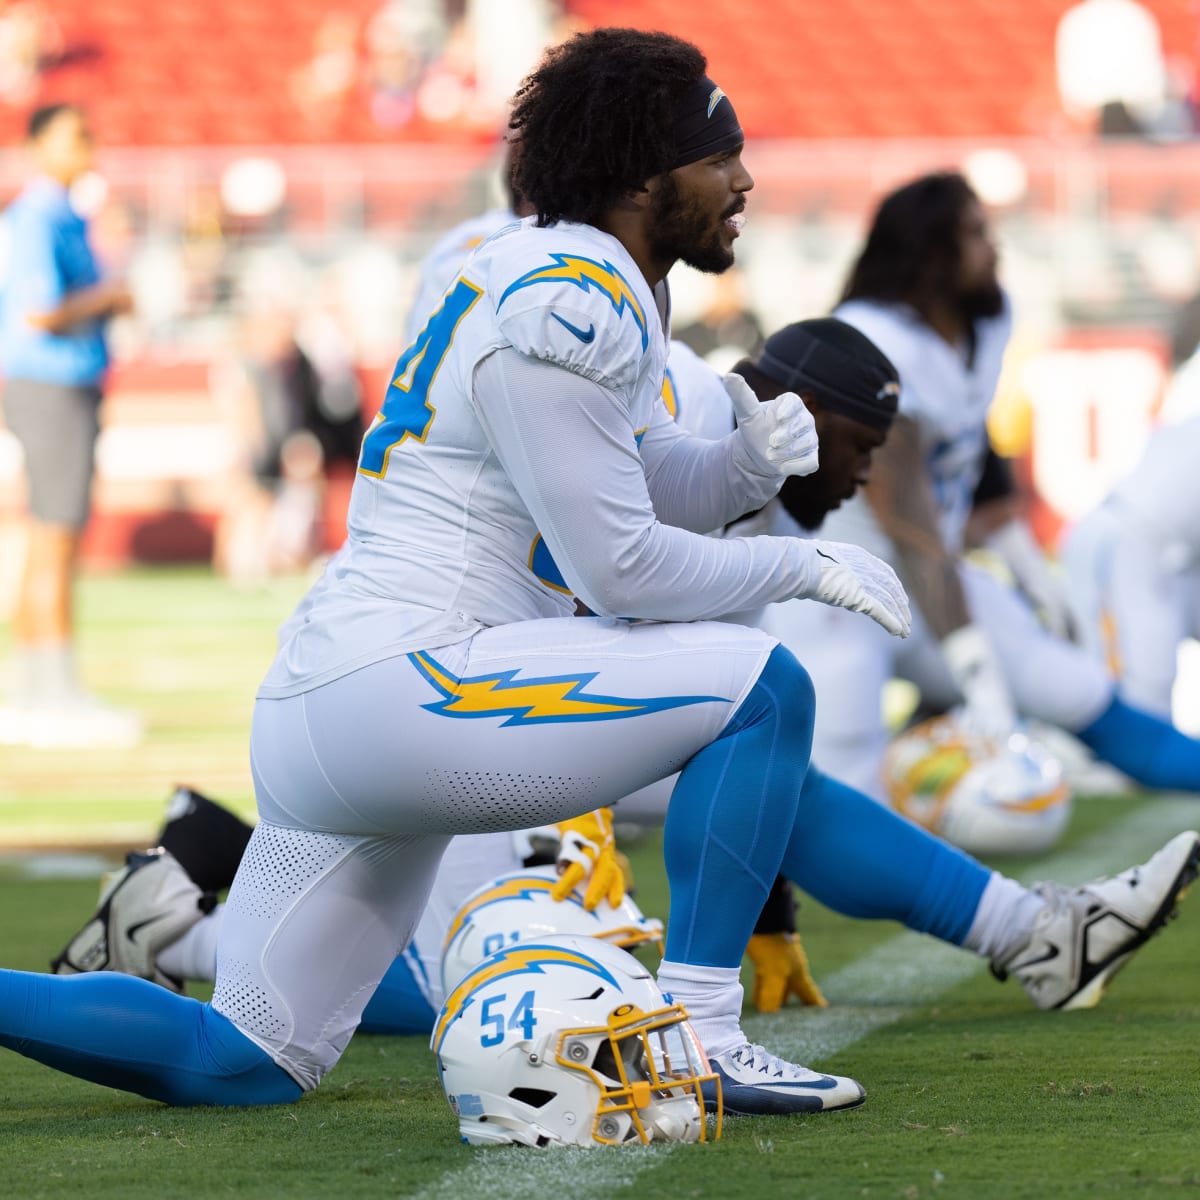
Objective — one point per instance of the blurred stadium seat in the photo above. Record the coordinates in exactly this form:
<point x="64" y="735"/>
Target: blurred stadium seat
<point x="917" y="68"/>
<point x="842" y="101"/>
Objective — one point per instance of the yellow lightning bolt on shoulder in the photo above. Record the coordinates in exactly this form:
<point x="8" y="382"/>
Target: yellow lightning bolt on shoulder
<point x="588" y="275"/>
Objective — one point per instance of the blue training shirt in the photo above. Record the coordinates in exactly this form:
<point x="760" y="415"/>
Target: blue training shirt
<point x="49" y="257"/>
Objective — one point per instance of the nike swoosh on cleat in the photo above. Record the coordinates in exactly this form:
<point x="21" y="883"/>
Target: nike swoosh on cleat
<point x="821" y="1085"/>
<point x="1051" y="954"/>
<point x="824" y="1084"/>
<point x="584" y="335"/>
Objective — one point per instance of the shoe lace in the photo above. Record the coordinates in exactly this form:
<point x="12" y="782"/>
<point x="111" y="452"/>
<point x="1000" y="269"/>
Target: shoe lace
<point x="755" y="1058"/>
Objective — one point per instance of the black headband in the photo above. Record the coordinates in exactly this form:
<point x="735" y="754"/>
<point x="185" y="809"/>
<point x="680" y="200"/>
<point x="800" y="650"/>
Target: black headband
<point x="846" y="371"/>
<point x="705" y="124"/>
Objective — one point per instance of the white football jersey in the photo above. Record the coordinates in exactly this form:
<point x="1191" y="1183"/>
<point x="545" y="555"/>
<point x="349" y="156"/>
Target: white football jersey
<point x="1162" y="493"/>
<point x="482" y="428"/>
<point x="440" y="544"/>
<point x="442" y="264"/>
<point x="946" y="397"/>
<point x="695" y="396"/>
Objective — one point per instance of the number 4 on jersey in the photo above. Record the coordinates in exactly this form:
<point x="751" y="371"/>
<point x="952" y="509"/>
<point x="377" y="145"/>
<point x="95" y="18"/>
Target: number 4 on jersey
<point x="406" y="411"/>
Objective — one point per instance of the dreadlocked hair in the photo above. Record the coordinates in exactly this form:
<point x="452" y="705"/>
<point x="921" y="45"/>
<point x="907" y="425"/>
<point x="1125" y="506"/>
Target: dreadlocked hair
<point x="912" y="249"/>
<point x="596" y="120"/>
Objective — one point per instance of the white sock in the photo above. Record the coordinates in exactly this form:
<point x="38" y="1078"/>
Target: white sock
<point x="194" y="955"/>
<point x="23" y="690"/>
<point x="54" y="679"/>
<point x="712" y="998"/>
<point x="1004" y="919"/>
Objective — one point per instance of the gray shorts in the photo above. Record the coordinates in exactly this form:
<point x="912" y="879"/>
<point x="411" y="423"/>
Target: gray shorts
<point x="57" y="428"/>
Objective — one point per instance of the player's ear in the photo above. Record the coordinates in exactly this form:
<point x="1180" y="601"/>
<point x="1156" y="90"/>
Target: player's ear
<point x="811" y="402"/>
<point x="641" y="198"/>
<point x="820" y="414"/>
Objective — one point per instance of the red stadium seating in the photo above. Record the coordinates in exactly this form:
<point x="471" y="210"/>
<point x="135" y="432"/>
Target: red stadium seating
<point x="181" y="74"/>
<point x="221" y="72"/>
<point x="882" y="68"/>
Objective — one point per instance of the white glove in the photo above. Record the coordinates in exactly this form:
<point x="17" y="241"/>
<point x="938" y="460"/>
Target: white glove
<point x="779" y="437"/>
<point x="854" y="578"/>
<point x="1015" y="544"/>
<point x="988" y="707"/>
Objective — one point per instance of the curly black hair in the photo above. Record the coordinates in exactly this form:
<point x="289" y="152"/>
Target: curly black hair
<point x="912" y="249"/>
<point x="596" y="120"/>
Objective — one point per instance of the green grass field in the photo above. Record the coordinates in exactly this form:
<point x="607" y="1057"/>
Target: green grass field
<point x="971" y="1093"/>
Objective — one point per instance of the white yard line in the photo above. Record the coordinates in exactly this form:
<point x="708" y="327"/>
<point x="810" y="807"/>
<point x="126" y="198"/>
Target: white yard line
<point x="880" y="988"/>
<point x="507" y="1171"/>
<point x="913" y="969"/>
<point x="70" y="864"/>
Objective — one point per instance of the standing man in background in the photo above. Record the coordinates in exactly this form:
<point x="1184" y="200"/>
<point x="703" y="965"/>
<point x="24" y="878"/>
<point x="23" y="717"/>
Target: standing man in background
<point x="53" y="356"/>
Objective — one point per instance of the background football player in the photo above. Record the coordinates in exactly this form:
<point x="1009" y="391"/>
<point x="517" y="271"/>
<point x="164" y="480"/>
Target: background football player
<point x="528" y="414"/>
<point x="1134" y="566"/>
<point x="924" y="289"/>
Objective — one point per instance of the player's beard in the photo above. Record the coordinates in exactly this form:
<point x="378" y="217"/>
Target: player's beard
<point x="983" y="300"/>
<point x="680" y="229"/>
<point x="805" y="499"/>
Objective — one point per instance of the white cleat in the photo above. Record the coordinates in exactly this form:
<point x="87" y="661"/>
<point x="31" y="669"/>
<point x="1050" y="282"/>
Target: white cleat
<point x="14" y="725"/>
<point x="755" y="1083"/>
<point x="79" y="722"/>
<point x="83" y="724"/>
<point x="144" y="907"/>
<point x="1085" y="935"/>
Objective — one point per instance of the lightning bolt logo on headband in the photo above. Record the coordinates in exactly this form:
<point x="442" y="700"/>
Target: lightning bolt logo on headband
<point x="714" y="99"/>
<point x="588" y="275"/>
<point x="537" y="701"/>
<point x="512" y="961"/>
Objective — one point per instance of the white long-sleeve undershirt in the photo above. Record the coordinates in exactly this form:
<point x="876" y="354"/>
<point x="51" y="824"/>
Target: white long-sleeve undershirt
<point x="567" y="444"/>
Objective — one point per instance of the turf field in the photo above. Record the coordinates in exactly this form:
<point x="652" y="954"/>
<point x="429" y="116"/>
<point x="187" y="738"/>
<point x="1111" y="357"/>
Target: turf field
<point x="971" y="1092"/>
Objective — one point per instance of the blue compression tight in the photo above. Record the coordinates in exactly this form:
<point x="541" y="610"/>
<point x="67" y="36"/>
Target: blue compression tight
<point x="861" y="859"/>
<point x="398" y="1005"/>
<point x="1147" y="748"/>
<point x="130" y="1034"/>
<point x="747" y="806"/>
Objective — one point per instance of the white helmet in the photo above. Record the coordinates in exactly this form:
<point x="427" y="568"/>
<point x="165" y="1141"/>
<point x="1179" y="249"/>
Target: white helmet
<point x="568" y="1041"/>
<point x="517" y="906"/>
<point x="989" y="798"/>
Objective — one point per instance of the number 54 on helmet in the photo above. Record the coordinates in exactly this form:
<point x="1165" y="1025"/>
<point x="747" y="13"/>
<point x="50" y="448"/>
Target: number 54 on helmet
<point x="569" y="1041"/>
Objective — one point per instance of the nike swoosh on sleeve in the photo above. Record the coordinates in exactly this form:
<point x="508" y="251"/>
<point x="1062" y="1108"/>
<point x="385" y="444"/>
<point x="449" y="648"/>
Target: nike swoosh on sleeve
<point x="584" y="335"/>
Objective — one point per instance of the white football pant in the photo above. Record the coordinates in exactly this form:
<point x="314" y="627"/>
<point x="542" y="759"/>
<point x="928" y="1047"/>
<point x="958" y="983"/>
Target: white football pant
<point x="362" y="782"/>
<point x="850" y="660"/>
<point x="1137" y="601"/>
